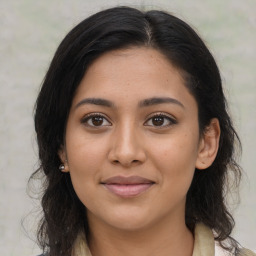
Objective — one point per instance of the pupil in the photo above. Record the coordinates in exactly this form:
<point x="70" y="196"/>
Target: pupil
<point x="158" y="121"/>
<point x="97" y="120"/>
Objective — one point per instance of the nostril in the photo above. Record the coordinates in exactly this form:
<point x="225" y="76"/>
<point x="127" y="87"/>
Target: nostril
<point x="126" y="163"/>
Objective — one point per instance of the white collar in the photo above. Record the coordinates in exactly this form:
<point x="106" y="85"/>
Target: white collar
<point x="204" y="244"/>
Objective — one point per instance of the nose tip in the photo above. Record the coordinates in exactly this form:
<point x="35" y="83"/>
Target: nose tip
<point x="127" y="151"/>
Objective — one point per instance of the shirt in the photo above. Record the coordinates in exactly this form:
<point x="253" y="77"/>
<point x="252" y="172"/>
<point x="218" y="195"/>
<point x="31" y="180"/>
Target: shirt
<point x="204" y="245"/>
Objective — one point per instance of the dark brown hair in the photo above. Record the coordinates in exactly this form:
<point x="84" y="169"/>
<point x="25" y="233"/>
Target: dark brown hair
<point x="64" y="216"/>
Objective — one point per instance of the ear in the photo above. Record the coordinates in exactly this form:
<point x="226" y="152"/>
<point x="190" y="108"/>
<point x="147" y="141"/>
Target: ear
<point x="209" y="145"/>
<point x="63" y="157"/>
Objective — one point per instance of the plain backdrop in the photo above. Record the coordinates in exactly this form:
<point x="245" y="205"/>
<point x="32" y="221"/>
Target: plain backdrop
<point x="31" y="30"/>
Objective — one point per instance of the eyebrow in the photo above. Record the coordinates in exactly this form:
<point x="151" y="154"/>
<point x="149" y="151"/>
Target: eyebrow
<point x="159" y="100"/>
<point x="95" y="101"/>
<point x="143" y="103"/>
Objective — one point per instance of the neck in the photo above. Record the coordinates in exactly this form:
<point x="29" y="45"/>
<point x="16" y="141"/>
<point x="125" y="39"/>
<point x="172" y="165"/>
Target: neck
<point x="160" y="239"/>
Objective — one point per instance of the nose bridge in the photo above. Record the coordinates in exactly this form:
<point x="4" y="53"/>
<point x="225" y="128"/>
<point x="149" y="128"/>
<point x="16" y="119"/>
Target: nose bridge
<point x="127" y="147"/>
<point x="126" y="137"/>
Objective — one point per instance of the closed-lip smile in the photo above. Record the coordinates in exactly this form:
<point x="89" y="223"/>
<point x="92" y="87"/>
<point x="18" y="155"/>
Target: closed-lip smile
<point x="127" y="186"/>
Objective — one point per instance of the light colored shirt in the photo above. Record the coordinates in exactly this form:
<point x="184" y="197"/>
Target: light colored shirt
<point x="204" y="245"/>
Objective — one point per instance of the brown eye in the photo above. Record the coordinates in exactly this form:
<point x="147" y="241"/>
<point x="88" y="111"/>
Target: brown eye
<point x="95" y="120"/>
<point x="160" y="120"/>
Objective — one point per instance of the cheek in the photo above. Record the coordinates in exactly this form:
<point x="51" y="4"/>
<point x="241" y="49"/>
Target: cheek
<point x="84" y="160"/>
<point x="85" y="154"/>
<point x="174" y="149"/>
<point x="175" y="158"/>
<point x="177" y="169"/>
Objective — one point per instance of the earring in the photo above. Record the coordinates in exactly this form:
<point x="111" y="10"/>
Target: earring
<point x="62" y="167"/>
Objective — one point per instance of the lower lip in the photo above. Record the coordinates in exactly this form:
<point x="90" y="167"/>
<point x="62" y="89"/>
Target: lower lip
<point x="129" y="190"/>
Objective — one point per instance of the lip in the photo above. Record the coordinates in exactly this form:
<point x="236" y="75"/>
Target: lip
<point x="127" y="186"/>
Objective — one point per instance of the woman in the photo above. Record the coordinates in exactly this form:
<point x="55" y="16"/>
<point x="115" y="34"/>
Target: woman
<point x="135" y="141"/>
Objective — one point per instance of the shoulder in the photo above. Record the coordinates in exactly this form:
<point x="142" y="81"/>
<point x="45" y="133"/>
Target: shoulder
<point x="219" y="251"/>
<point x="246" y="252"/>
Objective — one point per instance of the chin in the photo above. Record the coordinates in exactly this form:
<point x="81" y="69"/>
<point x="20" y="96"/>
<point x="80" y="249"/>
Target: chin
<point x="128" y="221"/>
<point x="130" y="225"/>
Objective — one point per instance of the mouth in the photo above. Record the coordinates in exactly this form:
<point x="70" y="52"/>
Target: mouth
<point x="127" y="186"/>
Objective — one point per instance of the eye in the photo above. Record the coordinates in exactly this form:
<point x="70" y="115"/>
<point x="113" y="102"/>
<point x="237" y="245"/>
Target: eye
<point x="160" y="120"/>
<point x="95" y="120"/>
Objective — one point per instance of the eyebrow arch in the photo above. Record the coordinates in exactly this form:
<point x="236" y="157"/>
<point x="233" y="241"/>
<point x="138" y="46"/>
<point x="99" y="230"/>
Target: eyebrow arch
<point x="143" y="103"/>
<point x="95" y="101"/>
<point x="159" y="100"/>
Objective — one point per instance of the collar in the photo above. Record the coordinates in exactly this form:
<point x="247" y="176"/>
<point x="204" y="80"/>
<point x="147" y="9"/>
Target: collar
<point x="203" y="245"/>
<point x="204" y="241"/>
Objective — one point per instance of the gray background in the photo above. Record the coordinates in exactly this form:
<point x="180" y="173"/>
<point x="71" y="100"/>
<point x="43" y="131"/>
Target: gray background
<point x="31" y="30"/>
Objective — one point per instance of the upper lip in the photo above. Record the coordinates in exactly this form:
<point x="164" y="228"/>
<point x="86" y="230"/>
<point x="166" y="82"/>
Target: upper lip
<point x="122" y="180"/>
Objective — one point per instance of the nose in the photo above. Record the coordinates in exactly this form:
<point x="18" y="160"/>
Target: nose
<point x="127" y="147"/>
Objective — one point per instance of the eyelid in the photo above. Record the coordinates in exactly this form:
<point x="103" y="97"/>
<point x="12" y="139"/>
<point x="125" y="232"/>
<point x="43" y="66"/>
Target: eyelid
<point x="93" y="114"/>
<point x="164" y="115"/>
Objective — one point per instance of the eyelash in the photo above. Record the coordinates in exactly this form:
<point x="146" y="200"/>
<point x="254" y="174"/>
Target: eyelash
<point x="171" y="120"/>
<point x="88" y="118"/>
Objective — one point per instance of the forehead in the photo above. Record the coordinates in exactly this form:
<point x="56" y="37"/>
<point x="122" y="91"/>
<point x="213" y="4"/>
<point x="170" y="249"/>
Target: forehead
<point x="132" y="73"/>
<point x="142" y="60"/>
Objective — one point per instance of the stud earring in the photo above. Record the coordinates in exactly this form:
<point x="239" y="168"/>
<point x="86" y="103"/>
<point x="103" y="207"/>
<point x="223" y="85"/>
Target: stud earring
<point x="62" y="167"/>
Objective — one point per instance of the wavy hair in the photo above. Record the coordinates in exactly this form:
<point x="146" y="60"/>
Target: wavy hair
<point x="64" y="216"/>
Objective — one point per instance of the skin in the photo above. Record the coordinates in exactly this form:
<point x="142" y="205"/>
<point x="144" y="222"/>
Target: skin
<point x="129" y="141"/>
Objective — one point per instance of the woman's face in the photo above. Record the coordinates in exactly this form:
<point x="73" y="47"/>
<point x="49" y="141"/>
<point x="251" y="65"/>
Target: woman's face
<point x="132" y="140"/>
